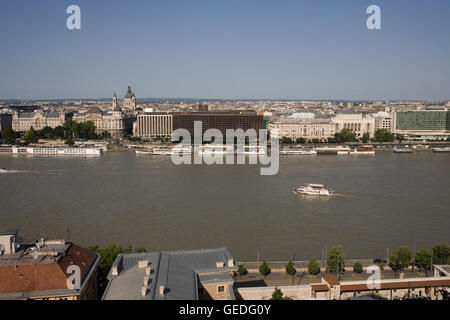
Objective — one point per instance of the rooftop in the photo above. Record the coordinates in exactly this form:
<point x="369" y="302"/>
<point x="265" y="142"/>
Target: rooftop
<point x="172" y="275"/>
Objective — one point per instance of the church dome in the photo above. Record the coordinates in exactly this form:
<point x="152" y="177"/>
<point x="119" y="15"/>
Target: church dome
<point x="129" y="93"/>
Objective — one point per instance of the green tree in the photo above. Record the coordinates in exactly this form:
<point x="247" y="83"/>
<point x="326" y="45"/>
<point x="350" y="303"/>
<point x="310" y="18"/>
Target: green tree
<point x="365" y="138"/>
<point x="264" y="269"/>
<point x="107" y="257"/>
<point x="422" y="258"/>
<point x="69" y="141"/>
<point x="9" y="136"/>
<point x="277" y="294"/>
<point x="300" y="140"/>
<point x="405" y="256"/>
<point x="335" y="260"/>
<point x="290" y="268"/>
<point x="357" y="267"/>
<point x="46" y="133"/>
<point x="383" y="135"/>
<point x="394" y="262"/>
<point x="441" y="253"/>
<point x="30" y="136"/>
<point x="345" y="135"/>
<point x="241" y="270"/>
<point x="58" y="132"/>
<point x="313" y="266"/>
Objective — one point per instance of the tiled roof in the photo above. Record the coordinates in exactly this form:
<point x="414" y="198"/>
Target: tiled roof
<point x="44" y="276"/>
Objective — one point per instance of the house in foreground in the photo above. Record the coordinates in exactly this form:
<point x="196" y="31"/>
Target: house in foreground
<point x="46" y="270"/>
<point x="172" y="275"/>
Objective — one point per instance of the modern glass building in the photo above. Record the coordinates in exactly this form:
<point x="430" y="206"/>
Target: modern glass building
<point x="422" y="120"/>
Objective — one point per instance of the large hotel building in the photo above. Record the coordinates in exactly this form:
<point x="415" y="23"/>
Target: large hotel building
<point x="163" y="124"/>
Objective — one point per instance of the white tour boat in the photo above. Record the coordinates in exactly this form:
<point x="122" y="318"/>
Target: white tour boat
<point x="312" y="189"/>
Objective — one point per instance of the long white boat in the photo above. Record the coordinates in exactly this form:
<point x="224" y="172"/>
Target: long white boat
<point x="312" y="189"/>
<point x="438" y="150"/>
<point x="53" y="151"/>
<point x="297" y="152"/>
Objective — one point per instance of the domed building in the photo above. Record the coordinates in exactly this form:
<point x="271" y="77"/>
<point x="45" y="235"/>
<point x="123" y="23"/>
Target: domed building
<point x="129" y="102"/>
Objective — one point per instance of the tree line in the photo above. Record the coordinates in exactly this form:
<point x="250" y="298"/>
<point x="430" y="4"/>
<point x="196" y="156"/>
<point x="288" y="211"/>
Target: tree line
<point x="346" y="135"/>
<point x="68" y="132"/>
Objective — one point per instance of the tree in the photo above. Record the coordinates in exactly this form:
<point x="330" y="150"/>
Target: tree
<point x="422" y="258"/>
<point x="9" y="136"/>
<point x="107" y="257"/>
<point x="357" y="267"/>
<point x="277" y="294"/>
<point x="241" y="270"/>
<point x="290" y="268"/>
<point x="46" y="133"/>
<point x="394" y="262"/>
<point x="405" y="256"/>
<point x="441" y="253"/>
<point x="286" y="140"/>
<point x="58" y="132"/>
<point x="69" y="141"/>
<point x="313" y="266"/>
<point x="383" y="135"/>
<point x="264" y="269"/>
<point x="345" y="135"/>
<point x="300" y="140"/>
<point x="335" y="260"/>
<point x="30" y="136"/>
<point x="365" y="138"/>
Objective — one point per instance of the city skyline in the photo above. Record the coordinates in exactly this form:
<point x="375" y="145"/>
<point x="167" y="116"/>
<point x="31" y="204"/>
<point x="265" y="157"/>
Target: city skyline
<point x="263" y="51"/>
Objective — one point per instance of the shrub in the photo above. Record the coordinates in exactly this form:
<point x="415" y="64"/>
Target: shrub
<point x="357" y="267"/>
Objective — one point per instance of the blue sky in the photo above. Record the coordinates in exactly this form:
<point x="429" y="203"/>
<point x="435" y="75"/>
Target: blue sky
<point x="225" y="49"/>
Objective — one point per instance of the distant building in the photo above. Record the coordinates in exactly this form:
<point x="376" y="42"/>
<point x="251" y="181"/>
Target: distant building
<point x="172" y="275"/>
<point x="115" y="122"/>
<point x="153" y="125"/>
<point x="203" y="107"/>
<point x="218" y="120"/>
<point x="129" y="102"/>
<point x="356" y="122"/>
<point x="5" y="121"/>
<point x="303" y="128"/>
<point x="41" y="271"/>
<point x="383" y="120"/>
<point x="423" y="124"/>
<point x="23" y="121"/>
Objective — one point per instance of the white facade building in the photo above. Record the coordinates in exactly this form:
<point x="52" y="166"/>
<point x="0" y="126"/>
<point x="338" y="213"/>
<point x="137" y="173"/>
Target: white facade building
<point x="356" y="122"/>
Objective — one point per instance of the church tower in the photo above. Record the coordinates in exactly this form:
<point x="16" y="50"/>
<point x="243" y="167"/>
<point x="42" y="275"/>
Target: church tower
<point x="114" y="103"/>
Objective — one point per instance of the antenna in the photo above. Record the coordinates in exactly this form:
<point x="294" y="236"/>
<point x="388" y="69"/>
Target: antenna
<point x="68" y="234"/>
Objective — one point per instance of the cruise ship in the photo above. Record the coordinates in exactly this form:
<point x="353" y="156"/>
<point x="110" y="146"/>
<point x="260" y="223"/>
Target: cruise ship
<point x="52" y="151"/>
<point x="312" y="189"/>
<point x="297" y="152"/>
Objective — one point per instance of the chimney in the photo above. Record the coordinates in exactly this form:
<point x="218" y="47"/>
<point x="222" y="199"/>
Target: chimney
<point x="148" y="271"/>
<point x="142" y="264"/>
<point x="220" y="264"/>
<point x="144" y="291"/>
<point x="162" y="290"/>
<point x="230" y="262"/>
<point x="146" y="279"/>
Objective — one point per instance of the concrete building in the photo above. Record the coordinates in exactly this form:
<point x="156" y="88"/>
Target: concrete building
<point x="174" y="275"/>
<point x="356" y="122"/>
<point x="423" y="124"/>
<point x="5" y="121"/>
<point x="219" y="120"/>
<point x="23" y="121"/>
<point x="307" y="128"/>
<point x="382" y="120"/>
<point x="41" y="271"/>
<point x="151" y="125"/>
<point x="115" y="122"/>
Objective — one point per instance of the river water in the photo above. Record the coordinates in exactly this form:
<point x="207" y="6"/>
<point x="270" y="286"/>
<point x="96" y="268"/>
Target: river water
<point x="384" y="201"/>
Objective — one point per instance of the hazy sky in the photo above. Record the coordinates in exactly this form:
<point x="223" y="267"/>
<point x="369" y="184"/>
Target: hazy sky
<point x="225" y="49"/>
